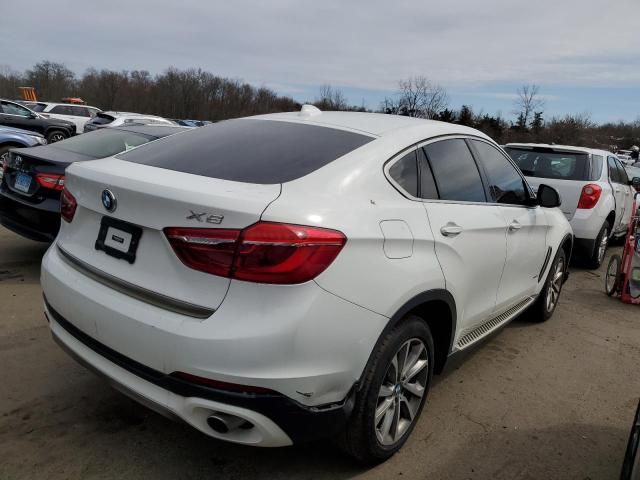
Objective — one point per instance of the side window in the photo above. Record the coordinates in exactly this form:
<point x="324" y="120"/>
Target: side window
<point x="80" y="111"/>
<point x="405" y="173"/>
<point x="614" y="175"/>
<point x="61" y="110"/>
<point x="505" y="183"/>
<point x="622" y="173"/>
<point x="13" y="109"/>
<point x="596" y="167"/>
<point x="455" y="171"/>
<point x="428" y="187"/>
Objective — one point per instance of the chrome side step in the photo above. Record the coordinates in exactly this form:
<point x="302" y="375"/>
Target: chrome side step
<point x="496" y="322"/>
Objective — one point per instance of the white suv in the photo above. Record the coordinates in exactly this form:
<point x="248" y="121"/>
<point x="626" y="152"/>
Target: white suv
<point x="283" y="277"/>
<point x="77" y="114"/>
<point x="596" y="194"/>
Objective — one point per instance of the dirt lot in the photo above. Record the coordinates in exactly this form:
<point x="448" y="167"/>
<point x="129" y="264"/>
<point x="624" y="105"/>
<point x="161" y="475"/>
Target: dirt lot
<point x="536" y="401"/>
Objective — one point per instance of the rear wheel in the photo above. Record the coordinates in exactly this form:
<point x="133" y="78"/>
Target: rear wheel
<point x="600" y="249"/>
<point x="612" y="278"/>
<point x="393" y="393"/>
<point x="549" y="297"/>
<point x="55" y="136"/>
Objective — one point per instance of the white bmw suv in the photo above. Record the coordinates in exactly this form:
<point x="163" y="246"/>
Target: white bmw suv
<point x="279" y="278"/>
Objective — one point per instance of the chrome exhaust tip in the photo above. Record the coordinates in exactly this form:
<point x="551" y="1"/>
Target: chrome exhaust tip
<point x="224" y="423"/>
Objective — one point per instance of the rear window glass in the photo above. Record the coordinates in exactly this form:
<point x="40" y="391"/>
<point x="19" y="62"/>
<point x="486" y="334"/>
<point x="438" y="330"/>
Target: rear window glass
<point x="102" y="119"/>
<point x="102" y="143"/>
<point x="546" y="163"/>
<point x="250" y="151"/>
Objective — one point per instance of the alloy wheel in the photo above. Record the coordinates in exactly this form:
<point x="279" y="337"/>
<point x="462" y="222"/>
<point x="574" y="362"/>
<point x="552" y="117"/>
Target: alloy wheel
<point x="401" y="393"/>
<point x="555" y="285"/>
<point x="56" y="137"/>
<point x="602" y="247"/>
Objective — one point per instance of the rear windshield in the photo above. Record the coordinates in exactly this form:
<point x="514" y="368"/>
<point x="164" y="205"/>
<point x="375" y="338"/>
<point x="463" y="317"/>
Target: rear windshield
<point x="102" y="143"/>
<point x="102" y="119"/>
<point x="250" y="151"/>
<point x="547" y="163"/>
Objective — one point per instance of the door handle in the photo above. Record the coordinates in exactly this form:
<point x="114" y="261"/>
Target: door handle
<point x="514" y="226"/>
<point x="451" y="230"/>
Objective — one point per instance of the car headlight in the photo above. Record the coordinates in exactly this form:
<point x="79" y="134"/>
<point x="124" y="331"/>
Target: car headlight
<point x="39" y="140"/>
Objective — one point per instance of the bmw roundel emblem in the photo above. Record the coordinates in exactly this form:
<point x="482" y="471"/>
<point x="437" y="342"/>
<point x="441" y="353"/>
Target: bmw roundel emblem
<point x="109" y="200"/>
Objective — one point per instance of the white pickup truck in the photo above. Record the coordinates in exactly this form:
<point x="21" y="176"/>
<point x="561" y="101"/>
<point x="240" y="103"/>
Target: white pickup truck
<point x="596" y="191"/>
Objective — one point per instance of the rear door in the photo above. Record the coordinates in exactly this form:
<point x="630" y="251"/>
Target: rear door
<point x="526" y="225"/>
<point x="616" y="179"/>
<point x="469" y="232"/>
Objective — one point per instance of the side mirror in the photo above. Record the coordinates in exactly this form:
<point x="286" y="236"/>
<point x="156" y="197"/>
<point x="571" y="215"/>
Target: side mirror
<point x="32" y="116"/>
<point x="635" y="183"/>
<point x="548" y="197"/>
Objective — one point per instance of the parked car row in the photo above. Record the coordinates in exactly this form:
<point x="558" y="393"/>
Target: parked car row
<point x="14" y="115"/>
<point x="285" y="277"/>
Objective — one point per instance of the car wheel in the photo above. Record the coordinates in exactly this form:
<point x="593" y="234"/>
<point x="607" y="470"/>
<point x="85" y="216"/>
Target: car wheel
<point x="4" y="153"/>
<point x="55" y="136"/>
<point x="392" y="394"/>
<point x="612" y="278"/>
<point x="549" y="297"/>
<point x="600" y="249"/>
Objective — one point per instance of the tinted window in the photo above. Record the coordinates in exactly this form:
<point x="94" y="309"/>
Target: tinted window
<point x="614" y="175"/>
<point x="252" y="151"/>
<point x="14" y="109"/>
<point x="405" y="173"/>
<point x="505" y="183"/>
<point x="103" y="143"/>
<point x="61" y="110"/>
<point x="455" y="171"/>
<point x="428" y="187"/>
<point x="80" y="111"/>
<point x="546" y="163"/>
<point x="36" y="107"/>
<point x="102" y="119"/>
<point x="622" y="174"/>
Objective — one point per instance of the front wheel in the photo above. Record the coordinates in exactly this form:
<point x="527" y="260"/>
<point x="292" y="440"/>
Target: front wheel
<point x="613" y="277"/>
<point x="393" y="393"/>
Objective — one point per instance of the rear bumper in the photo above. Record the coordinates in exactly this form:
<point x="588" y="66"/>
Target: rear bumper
<point x="300" y="341"/>
<point x="276" y="419"/>
<point x="30" y="222"/>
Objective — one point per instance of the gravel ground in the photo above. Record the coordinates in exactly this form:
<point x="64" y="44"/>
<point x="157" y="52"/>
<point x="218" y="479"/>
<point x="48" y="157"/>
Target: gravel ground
<point x="552" y="400"/>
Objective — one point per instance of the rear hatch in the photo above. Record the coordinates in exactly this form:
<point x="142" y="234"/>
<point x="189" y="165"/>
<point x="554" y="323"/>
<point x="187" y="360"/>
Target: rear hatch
<point x="563" y="169"/>
<point x="150" y="199"/>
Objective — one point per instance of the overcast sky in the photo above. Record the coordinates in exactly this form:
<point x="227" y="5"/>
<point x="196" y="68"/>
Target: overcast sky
<point x="585" y="54"/>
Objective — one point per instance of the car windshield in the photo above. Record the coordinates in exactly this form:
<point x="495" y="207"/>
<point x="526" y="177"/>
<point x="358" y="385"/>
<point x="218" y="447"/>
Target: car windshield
<point x="547" y="163"/>
<point x="103" y="143"/>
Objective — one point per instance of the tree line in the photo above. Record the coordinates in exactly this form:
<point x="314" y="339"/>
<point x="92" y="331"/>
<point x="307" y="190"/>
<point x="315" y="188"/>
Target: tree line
<point x="198" y="94"/>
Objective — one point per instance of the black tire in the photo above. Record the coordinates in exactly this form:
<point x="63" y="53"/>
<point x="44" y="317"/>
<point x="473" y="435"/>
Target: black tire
<point x="597" y="257"/>
<point x="613" y="276"/>
<point x="542" y="310"/>
<point x="54" y="136"/>
<point x="360" y="438"/>
<point x="3" y="152"/>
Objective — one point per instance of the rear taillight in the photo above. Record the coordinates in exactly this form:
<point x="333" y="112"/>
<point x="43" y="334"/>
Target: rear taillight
<point x="209" y="250"/>
<point x="264" y="252"/>
<point x="68" y="205"/>
<point x="589" y="196"/>
<point x="50" y="180"/>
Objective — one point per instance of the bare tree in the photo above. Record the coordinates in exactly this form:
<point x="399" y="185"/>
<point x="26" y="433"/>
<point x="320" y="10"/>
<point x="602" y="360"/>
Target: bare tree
<point x="417" y="97"/>
<point x="528" y="101"/>
<point x="331" y="99"/>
